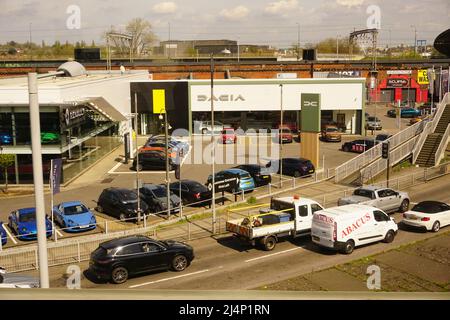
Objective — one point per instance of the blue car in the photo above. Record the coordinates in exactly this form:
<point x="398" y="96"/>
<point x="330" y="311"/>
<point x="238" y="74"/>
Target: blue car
<point x="23" y="223"/>
<point x="3" y="234"/>
<point x="405" y="113"/>
<point x="74" y="216"/>
<point x="246" y="182"/>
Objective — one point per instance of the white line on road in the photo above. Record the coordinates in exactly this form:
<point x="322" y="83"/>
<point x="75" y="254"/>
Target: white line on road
<point x="167" y="279"/>
<point x="271" y="255"/>
<point x="115" y="167"/>
<point x="59" y="233"/>
<point x="8" y="233"/>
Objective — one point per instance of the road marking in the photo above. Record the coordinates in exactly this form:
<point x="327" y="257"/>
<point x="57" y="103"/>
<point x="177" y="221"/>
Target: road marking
<point x="167" y="279"/>
<point x="273" y="254"/>
<point x="115" y="167"/>
<point x="8" y="233"/>
<point x="59" y="233"/>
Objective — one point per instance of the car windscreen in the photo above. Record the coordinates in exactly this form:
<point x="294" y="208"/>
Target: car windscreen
<point x="76" y="209"/>
<point x="427" y="208"/>
<point x="364" y="193"/>
<point x="373" y="119"/>
<point x="160" y="192"/>
<point x="244" y="175"/>
<point x="331" y="130"/>
<point x="27" y="217"/>
<point x="128" y="197"/>
<point x="196" y="187"/>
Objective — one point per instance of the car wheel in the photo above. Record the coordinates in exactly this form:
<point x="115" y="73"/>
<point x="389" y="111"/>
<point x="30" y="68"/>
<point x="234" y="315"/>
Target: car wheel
<point x="404" y="206"/>
<point x="349" y="247"/>
<point x="269" y="243"/>
<point x="204" y="131"/>
<point x="139" y="167"/>
<point x="296" y="174"/>
<point x="346" y="149"/>
<point x="119" y="275"/>
<point x="100" y="209"/>
<point x="436" y="226"/>
<point x="390" y="235"/>
<point x="179" y="263"/>
<point x="122" y="217"/>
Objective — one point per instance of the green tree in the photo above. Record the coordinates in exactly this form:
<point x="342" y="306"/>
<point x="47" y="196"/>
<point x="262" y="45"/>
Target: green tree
<point x="6" y="161"/>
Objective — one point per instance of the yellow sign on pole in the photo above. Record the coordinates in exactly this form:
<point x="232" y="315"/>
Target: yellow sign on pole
<point x="422" y="77"/>
<point x="159" y="101"/>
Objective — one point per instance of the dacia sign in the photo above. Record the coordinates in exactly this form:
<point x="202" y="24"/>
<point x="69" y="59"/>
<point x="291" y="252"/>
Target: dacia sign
<point x="310" y="103"/>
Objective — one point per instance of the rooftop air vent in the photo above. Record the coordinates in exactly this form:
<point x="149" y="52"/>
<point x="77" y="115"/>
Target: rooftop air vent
<point x="72" y="69"/>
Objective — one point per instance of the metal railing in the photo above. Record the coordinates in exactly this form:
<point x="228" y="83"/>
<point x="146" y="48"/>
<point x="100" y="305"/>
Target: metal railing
<point x="422" y="138"/>
<point x="360" y="161"/>
<point x="442" y="146"/>
<point x="395" y="157"/>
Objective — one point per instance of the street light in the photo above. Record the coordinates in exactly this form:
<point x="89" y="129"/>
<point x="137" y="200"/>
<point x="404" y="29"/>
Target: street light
<point x="415" y="38"/>
<point x="166" y="133"/>
<point x="213" y="149"/>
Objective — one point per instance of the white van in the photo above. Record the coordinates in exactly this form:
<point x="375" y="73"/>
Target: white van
<point x="346" y="227"/>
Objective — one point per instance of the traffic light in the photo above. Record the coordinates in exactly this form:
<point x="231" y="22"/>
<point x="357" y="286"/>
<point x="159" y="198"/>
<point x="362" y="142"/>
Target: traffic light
<point x="385" y="150"/>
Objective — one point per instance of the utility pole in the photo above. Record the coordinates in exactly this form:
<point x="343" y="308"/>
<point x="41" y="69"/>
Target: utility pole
<point x="213" y="150"/>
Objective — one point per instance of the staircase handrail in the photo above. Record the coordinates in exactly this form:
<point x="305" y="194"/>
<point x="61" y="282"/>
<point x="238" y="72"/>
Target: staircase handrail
<point x="442" y="145"/>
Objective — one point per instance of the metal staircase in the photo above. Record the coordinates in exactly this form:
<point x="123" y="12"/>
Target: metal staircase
<point x="435" y="141"/>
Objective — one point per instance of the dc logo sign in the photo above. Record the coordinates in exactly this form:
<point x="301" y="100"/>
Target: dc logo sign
<point x="310" y="104"/>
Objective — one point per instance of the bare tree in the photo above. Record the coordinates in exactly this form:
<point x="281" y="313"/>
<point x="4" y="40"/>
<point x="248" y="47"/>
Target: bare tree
<point x="142" y="37"/>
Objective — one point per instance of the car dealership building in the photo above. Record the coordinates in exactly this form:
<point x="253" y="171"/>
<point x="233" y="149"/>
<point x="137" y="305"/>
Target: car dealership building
<point x="249" y="103"/>
<point x="82" y="118"/>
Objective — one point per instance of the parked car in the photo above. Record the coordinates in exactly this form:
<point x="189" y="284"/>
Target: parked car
<point x="155" y="196"/>
<point x="296" y="167"/>
<point x="74" y="216"/>
<point x="425" y="108"/>
<point x="153" y="160"/>
<point x="5" y="139"/>
<point x="346" y="227"/>
<point x="373" y="123"/>
<point x="117" y="259"/>
<point x="381" y="137"/>
<point x="192" y="192"/>
<point x="260" y="174"/>
<point x="23" y="223"/>
<point x="330" y="133"/>
<point x="3" y="235"/>
<point x="158" y="146"/>
<point x="404" y="113"/>
<point x="428" y="215"/>
<point x="246" y="182"/>
<point x="206" y="126"/>
<point x="359" y="145"/>
<point x="385" y="199"/>
<point x="284" y="135"/>
<point x="12" y="280"/>
<point x="120" y="203"/>
<point x="228" y="136"/>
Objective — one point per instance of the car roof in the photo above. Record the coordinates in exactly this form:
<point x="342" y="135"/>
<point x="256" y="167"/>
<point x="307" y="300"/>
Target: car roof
<point x="190" y="182"/>
<point x="348" y="210"/>
<point x="234" y="171"/>
<point x="431" y="203"/>
<point x="111" y="244"/>
<point x="299" y="201"/>
<point x="249" y="166"/>
<point x="70" y="203"/>
<point x="371" y="188"/>
<point x="26" y="210"/>
<point x="152" y="186"/>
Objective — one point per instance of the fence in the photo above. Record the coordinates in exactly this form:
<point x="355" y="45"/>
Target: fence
<point x="78" y="249"/>
<point x="374" y="153"/>
<point x="442" y="146"/>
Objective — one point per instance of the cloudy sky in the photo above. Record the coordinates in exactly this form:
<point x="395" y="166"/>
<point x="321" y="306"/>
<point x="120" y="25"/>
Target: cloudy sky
<point x="272" y="22"/>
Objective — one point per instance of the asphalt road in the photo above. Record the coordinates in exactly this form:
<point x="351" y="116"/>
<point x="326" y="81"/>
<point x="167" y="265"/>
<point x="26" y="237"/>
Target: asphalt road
<point x="225" y="263"/>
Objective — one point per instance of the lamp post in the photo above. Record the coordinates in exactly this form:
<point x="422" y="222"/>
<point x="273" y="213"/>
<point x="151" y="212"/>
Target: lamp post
<point x="281" y="135"/>
<point x="415" y="38"/>
<point x="137" y="159"/>
<point x="166" y="134"/>
<point x="213" y="150"/>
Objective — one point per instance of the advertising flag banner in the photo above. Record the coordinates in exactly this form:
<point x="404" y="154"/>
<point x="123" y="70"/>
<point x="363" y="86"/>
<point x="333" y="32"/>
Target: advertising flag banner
<point x="56" y="175"/>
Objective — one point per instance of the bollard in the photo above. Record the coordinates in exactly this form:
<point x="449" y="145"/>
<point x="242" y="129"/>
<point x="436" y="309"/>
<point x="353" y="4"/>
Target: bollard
<point x="243" y="196"/>
<point x="145" y="221"/>
<point x="106" y="226"/>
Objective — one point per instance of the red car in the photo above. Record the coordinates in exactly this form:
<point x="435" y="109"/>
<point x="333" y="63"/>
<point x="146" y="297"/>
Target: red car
<point x="285" y="135"/>
<point x="228" y="136"/>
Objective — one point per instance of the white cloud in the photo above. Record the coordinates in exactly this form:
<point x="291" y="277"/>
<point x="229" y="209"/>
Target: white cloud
<point x="237" y="13"/>
<point x="350" y="3"/>
<point x="165" y="7"/>
<point x="281" y="7"/>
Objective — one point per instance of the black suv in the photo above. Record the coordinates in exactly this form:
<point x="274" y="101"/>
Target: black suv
<point x="152" y="160"/>
<point x="117" y="259"/>
<point x="120" y="203"/>
<point x="259" y="173"/>
<point x="296" y="167"/>
<point x="358" y="146"/>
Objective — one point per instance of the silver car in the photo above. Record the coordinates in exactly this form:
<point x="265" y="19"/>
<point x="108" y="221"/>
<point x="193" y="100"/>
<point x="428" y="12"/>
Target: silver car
<point x="9" y="280"/>
<point x="385" y="199"/>
<point x="373" y="123"/>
